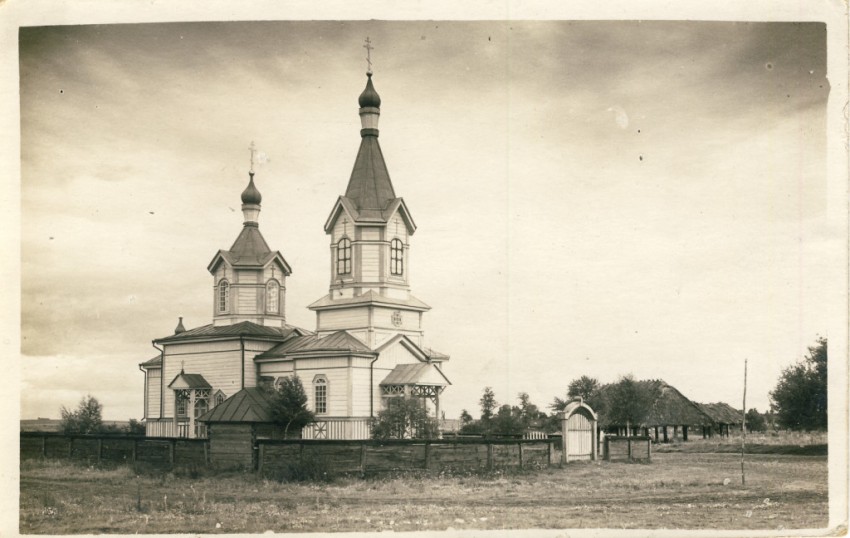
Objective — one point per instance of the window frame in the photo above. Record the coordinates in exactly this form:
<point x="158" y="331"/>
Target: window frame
<point x="343" y="256"/>
<point x="273" y="283"/>
<point x="320" y="404"/>
<point x="223" y="296"/>
<point x="397" y="257"/>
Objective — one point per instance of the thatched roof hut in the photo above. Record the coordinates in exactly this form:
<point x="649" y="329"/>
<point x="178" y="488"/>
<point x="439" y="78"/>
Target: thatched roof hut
<point x="722" y="413"/>
<point x="669" y="408"/>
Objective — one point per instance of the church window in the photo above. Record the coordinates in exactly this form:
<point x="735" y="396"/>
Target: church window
<point x="201" y="407"/>
<point x="320" y="391"/>
<point x="343" y="256"/>
<point x="182" y="402"/>
<point x="272" y="295"/>
<point x="223" y="296"/>
<point x="397" y="257"/>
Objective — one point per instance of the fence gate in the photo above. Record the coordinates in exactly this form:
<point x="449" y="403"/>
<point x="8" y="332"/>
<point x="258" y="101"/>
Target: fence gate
<point x="578" y="428"/>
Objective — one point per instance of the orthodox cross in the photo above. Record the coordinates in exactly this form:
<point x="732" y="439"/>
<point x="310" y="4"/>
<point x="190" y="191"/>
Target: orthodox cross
<point x="253" y="150"/>
<point x="344" y="226"/>
<point x="368" y="46"/>
<point x="396" y="226"/>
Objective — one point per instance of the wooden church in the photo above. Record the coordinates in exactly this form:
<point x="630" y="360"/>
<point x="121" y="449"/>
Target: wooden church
<point x="368" y="346"/>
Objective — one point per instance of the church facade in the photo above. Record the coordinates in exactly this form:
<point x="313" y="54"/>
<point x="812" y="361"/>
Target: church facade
<point x="368" y="345"/>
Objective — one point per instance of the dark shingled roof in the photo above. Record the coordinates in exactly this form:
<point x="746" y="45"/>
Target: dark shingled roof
<point x="338" y="341"/>
<point x="193" y="381"/>
<point x="247" y="405"/>
<point x="152" y="363"/>
<point x="369" y="186"/>
<point x="369" y="297"/>
<point x="244" y="328"/>
<point x="250" y="248"/>
<point x="721" y="413"/>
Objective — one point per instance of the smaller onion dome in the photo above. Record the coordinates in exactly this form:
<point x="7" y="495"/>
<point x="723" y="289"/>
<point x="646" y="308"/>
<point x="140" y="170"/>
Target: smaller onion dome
<point x="369" y="97"/>
<point x="180" y="328"/>
<point x="251" y="195"/>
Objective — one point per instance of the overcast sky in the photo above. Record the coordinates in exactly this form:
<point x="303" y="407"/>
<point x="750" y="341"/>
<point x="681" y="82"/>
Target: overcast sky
<point x="592" y="198"/>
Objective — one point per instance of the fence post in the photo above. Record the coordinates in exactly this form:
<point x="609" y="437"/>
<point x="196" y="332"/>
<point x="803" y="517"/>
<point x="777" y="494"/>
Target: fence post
<point x="262" y="457"/>
<point x="629" y="447"/>
<point x="520" y="455"/>
<point x="363" y="458"/>
<point x="606" y="448"/>
<point x="172" y="443"/>
<point x="549" y="453"/>
<point x="99" y="448"/>
<point x="489" y="456"/>
<point x="206" y="452"/>
<point x="43" y="446"/>
<point x="135" y="442"/>
<point x="648" y="450"/>
<point x="70" y="448"/>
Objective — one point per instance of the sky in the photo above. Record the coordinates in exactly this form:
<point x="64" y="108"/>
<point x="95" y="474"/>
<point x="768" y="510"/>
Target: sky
<point x="592" y="198"/>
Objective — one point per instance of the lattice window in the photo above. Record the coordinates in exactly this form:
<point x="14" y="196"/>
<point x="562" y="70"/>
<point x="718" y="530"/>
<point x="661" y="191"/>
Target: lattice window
<point x="223" y="296"/>
<point x="343" y="256"/>
<point x="272" y="296"/>
<point x="392" y="390"/>
<point x="397" y="257"/>
<point x="320" y="393"/>
<point x="181" y="402"/>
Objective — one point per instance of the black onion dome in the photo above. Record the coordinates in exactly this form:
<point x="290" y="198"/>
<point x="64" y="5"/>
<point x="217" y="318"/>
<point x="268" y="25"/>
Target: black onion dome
<point x="369" y="97"/>
<point x="251" y="195"/>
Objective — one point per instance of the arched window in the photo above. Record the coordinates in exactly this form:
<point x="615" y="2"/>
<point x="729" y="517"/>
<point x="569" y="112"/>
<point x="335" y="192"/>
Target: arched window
<point x="397" y="257"/>
<point x="272" y="295"/>
<point x="223" y="296"/>
<point x="343" y="256"/>
<point x="219" y="398"/>
<point x="320" y="393"/>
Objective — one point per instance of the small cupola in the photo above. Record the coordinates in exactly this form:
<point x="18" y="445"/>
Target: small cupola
<point x="369" y="97"/>
<point x="180" y="328"/>
<point x="251" y="199"/>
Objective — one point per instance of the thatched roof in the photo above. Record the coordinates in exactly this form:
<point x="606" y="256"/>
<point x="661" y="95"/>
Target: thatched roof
<point x="721" y="413"/>
<point x="671" y="407"/>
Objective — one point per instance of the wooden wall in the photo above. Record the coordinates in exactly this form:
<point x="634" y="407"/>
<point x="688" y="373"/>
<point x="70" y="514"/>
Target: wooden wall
<point x="627" y="448"/>
<point x="369" y="456"/>
<point x="114" y="448"/>
<point x="231" y="445"/>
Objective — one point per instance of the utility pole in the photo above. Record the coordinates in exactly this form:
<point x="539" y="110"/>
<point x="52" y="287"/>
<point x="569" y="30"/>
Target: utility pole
<point x="744" y="424"/>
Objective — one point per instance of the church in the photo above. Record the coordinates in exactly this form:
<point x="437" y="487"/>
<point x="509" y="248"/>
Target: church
<point x="368" y="345"/>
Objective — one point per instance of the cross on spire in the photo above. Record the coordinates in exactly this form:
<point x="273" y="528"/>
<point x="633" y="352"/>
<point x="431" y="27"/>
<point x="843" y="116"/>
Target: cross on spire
<point x="368" y="46"/>
<point x="253" y="149"/>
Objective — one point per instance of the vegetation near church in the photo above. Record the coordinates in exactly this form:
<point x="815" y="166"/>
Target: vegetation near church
<point x="800" y="397"/>
<point x="405" y="419"/>
<point x="289" y="405"/>
<point x="86" y="418"/>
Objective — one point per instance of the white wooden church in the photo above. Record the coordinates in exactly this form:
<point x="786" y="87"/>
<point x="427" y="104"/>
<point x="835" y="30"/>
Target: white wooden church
<point x="368" y="346"/>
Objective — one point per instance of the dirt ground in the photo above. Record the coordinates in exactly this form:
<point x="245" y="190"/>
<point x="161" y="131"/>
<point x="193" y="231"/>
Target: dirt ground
<point x="675" y="491"/>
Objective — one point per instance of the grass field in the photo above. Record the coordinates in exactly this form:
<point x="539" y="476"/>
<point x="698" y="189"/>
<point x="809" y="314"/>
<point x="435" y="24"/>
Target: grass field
<point x="675" y="491"/>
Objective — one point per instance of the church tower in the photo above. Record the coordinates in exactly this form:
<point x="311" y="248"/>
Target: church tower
<point x="249" y="280"/>
<point x="370" y="230"/>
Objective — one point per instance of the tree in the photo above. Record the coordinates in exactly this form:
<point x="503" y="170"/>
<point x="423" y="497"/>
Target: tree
<point x="584" y="387"/>
<point x="800" y="396"/>
<point x="629" y="402"/>
<point x="289" y="405"/>
<point x="755" y="421"/>
<point x="405" y="419"/>
<point x="85" y="419"/>
<point x="488" y="407"/>
<point x="465" y="418"/>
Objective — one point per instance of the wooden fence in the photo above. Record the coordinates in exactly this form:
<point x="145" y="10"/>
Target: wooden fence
<point x="160" y="451"/>
<point x="632" y="448"/>
<point x="368" y="456"/>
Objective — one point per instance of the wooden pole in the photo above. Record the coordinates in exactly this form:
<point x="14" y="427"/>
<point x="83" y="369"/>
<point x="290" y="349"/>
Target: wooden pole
<point x="744" y="425"/>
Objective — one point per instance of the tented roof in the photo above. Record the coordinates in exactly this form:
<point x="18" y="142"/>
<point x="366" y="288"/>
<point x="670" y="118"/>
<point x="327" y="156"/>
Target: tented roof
<point x="247" y="405"/>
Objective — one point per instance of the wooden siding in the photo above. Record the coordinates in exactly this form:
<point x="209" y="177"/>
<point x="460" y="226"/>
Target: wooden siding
<point x="248" y="299"/>
<point x="154" y="388"/>
<point x="333" y="320"/>
<point x="231" y="445"/>
<point x="370" y="233"/>
<point x="383" y="317"/>
<point x="337" y="387"/>
<point x="360" y="392"/>
<point x="370" y="262"/>
<point x="247" y="276"/>
<point x="276" y="369"/>
<point x="580" y="435"/>
<point x="337" y="428"/>
<point x="393" y="356"/>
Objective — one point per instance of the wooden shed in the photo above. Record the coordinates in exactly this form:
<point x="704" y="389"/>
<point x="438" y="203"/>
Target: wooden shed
<point x="234" y="426"/>
<point x="578" y="431"/>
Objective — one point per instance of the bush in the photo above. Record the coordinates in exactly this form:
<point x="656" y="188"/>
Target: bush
<point x="307" y="469"/>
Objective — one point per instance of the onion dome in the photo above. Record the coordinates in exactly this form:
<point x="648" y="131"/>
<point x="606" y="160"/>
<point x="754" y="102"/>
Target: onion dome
<point x="251" y="195"/>
<point x="180" y="328"/>
<point x="369" y="97"/>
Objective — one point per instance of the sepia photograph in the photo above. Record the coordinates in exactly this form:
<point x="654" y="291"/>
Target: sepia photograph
<point x="291" y="272"/>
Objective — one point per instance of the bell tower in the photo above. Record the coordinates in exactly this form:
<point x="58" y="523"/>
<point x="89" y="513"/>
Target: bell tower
<point x="370" y="231"/>
<point x="249" y="279"/>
